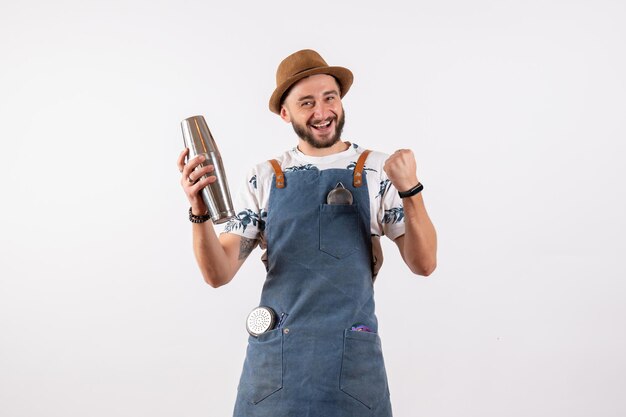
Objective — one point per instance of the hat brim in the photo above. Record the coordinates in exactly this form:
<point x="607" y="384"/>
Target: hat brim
<point x="343" y="75"/>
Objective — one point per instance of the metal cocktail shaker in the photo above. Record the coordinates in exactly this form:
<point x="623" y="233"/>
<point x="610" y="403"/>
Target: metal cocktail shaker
<point x="216" y="196"/>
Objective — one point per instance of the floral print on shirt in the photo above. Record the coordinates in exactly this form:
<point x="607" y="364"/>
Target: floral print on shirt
<point x="246" y="217"/>
<point x="393" y="215"/>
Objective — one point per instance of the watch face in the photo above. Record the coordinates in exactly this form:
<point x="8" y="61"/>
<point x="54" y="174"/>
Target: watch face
<point x="260" y="320"/>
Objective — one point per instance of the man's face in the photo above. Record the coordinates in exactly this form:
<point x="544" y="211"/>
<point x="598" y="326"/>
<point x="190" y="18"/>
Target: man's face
<point x="313" y="106"/>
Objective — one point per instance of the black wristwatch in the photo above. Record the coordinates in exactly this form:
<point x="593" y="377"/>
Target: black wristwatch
<point x="410" y="193"/>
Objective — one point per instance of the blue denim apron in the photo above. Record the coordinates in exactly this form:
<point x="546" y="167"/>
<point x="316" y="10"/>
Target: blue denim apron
<point x="319" y="282"/>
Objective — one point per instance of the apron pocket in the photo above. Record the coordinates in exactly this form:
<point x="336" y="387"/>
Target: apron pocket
<point x="363" y="375"/>
<point x="339" y="228"/>
<point x="262" y="372"/>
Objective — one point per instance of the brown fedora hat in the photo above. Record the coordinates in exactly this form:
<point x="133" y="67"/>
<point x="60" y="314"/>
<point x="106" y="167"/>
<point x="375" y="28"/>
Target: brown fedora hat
<point x="303" y="64"/>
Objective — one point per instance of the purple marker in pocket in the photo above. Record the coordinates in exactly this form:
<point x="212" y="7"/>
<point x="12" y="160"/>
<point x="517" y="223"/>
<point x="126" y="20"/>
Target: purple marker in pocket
<point x="360" y="328"/>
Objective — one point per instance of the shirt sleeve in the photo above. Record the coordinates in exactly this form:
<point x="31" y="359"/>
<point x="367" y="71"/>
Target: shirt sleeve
<point x="249" y="220"/>
<point x="392" y="211"/>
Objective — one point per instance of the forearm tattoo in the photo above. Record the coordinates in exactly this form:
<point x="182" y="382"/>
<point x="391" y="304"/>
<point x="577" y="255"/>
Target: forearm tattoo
<point x="246" y="246"/>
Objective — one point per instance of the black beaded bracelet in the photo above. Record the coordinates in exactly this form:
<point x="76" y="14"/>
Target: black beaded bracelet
<point x="198" y="219"/>
<point x="410" y="193"/>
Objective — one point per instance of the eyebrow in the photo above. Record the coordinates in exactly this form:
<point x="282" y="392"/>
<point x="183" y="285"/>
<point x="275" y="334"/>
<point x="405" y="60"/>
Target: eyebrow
<point x="326" y="93"/>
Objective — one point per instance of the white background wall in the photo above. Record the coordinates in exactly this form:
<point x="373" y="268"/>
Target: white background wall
<point x="515" y="111"/>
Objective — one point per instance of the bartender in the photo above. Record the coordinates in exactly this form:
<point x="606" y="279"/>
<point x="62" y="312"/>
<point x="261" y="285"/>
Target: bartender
<point x="318" y="211"/>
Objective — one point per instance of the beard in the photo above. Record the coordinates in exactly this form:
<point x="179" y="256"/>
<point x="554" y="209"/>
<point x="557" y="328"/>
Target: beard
<point x="304" y="133"/>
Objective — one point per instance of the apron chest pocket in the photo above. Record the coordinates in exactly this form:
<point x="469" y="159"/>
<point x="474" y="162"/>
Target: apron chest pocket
<point x="262" y="373"/>
<point x="363" y="375"/>
<point x="339" y="228"/>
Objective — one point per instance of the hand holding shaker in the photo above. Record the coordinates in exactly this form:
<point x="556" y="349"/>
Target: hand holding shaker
<point x="216" y="196"/>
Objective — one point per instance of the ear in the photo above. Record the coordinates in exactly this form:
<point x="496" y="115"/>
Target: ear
<point x="284" y="114"/>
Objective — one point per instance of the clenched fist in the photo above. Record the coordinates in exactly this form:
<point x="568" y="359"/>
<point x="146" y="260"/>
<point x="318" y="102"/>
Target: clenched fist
<point x="401" y="169"/>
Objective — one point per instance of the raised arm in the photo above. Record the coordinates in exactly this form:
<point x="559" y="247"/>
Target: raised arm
<point x="418" y="245"/>
<point x="218" y="258"/>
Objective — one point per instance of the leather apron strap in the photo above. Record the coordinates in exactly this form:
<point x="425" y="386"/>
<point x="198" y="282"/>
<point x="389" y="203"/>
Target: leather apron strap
<point x="358" y="170"/>
<point x="280" y="177"/>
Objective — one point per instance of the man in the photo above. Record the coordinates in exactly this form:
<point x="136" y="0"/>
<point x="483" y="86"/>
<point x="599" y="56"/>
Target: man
<point x="318" y="210"/>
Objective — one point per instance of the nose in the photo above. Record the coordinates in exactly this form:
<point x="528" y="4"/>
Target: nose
<point x="322" y="110"/>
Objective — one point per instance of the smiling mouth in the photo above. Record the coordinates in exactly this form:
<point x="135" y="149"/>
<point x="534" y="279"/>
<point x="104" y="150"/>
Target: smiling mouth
<point x="321" y="126"/>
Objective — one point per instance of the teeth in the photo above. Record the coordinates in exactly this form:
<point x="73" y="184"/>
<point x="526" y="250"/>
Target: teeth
<point x="322" y="124"/>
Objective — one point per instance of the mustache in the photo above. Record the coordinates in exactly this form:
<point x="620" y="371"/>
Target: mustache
<point x="328" y="119"/>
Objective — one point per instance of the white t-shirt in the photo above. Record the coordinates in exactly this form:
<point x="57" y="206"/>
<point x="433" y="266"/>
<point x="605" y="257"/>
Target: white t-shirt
<point x="386" y="211"/>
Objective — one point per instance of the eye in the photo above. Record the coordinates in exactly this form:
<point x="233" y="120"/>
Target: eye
<point x="306" y="104"/>
<point x="330" y="98"/>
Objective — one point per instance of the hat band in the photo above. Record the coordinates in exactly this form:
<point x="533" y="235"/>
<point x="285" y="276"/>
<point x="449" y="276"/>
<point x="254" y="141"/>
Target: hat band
<point x="304" y="70"/>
